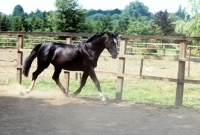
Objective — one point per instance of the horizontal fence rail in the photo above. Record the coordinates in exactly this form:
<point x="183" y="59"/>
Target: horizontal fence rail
<point x="124" y="46"/>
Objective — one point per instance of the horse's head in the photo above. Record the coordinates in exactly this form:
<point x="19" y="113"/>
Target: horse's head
<point x="111" y="44"/>
<point x="104" y="40"/>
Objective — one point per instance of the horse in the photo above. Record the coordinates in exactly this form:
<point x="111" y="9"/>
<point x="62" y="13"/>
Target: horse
<point x="72" y="57"/>
<point x="152" y="48"/>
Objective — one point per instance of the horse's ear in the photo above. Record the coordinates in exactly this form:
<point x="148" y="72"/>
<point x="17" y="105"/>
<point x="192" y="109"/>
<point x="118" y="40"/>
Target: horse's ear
<point x="116" y="34"/>
<point x="108" y="33"/>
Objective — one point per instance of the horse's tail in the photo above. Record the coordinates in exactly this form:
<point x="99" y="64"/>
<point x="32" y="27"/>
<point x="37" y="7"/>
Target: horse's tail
<point x="29" y="60"/>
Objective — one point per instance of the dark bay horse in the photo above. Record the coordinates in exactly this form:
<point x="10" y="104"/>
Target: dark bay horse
<point x="80" y="57"/>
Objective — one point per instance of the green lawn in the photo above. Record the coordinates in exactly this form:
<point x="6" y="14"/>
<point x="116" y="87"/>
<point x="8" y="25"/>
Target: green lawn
<point x="134" y="90"/>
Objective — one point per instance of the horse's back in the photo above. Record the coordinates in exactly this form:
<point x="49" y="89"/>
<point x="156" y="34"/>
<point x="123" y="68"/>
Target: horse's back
<point x="65" y="56"/>
<point x="54" y="48"/>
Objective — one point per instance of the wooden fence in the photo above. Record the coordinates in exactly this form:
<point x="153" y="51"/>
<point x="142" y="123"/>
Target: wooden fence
<point x="181" y="59"/>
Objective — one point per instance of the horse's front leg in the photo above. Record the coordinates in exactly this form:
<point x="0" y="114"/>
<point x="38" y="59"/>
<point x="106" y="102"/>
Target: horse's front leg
<point x="96" y="82"/>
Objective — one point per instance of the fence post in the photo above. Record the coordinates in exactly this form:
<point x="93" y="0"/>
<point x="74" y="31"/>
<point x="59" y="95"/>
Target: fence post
<point x="67" y="73"/>
<point x="147" y="49"/>
<point x="181" y="74"/>
<point x="77" y="75"/>
<point x="120" y="79"/>
<point x="189" y="60"/>
<point x="141" y="66"/>
<point x="7" y="42"/>
<point x="20" y="59"/>
<point x="66" y="78"/>
<point x="164" y="49"/>
<point x="68" y="40"/>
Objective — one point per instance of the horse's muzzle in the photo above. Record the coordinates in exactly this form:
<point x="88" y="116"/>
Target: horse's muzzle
<point x="115" y="56"/>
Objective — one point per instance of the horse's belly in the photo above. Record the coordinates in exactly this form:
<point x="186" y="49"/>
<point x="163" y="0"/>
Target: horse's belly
<point x="72" y="65"/>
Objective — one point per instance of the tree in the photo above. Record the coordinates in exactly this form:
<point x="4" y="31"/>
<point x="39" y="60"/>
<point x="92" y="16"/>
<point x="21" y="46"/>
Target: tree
<point x="140" y="26"/>
<point x="44" y="21"/>
<point x="89" y="26"/>
<point x="49" y="23"/>
<point x="15" y="23"/>
<point x="136" y="9"/>
<point x="4" y="22"/>
<point x="174" y="17"/>
<point x="39" y="13"/>
<point x="161" y="20"/>
<point x="180" y="29"/>
<point x="122" y="25"/>
<point x="18" y="19"/>
<point x="193" y="25"/>
<point x="18" y="10"/>
<point x="69" y="17"/>
<point x="35" y="22"/>
<point x="115" y="17"/>
<point x="19" y="23"/>
<point x="106" y="23"/>
<point x="95" y="17"/>
<point x="97" y="26"/>
<point x="181" y="12"/>
<point x="104" y="12"/>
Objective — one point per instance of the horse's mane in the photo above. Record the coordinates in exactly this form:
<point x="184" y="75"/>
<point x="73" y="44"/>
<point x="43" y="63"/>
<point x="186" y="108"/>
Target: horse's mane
<point x="95" y="36"/>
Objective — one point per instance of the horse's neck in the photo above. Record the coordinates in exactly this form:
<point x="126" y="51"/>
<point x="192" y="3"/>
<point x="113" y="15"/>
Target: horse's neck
<point x="98" y="46"/>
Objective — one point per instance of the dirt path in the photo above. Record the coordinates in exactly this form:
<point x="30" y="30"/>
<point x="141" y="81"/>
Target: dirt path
<point x="42" y="113"/>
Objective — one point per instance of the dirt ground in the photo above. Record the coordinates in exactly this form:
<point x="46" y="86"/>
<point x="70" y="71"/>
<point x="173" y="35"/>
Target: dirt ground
<point x="50" y="113"/>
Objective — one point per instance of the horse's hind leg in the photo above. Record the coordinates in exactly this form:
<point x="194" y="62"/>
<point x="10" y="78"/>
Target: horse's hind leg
<point x="34" y="77"/>
<point x="56" y="79"/>
<point x="83" y="81"/>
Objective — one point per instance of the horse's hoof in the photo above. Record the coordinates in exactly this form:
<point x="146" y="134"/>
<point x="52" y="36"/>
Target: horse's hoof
<point x="103" y="99"/>
<point x="104" y="102"/>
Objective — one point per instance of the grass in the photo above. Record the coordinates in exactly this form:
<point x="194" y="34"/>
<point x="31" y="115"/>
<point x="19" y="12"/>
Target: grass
<point x="146" y="91"/>
<point x="134" y="90"/>
<point x="158" y="51"/>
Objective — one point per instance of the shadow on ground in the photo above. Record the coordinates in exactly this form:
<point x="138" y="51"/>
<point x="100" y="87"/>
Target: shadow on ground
<point x="87" y="116"/>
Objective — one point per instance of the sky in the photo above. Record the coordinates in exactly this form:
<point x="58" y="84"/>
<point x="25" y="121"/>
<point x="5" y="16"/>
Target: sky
<point x="7" y="6"/>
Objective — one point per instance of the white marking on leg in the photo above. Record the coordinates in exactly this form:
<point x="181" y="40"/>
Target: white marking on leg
<point x="30" y="88"/>
<point x="102" y="96"/>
